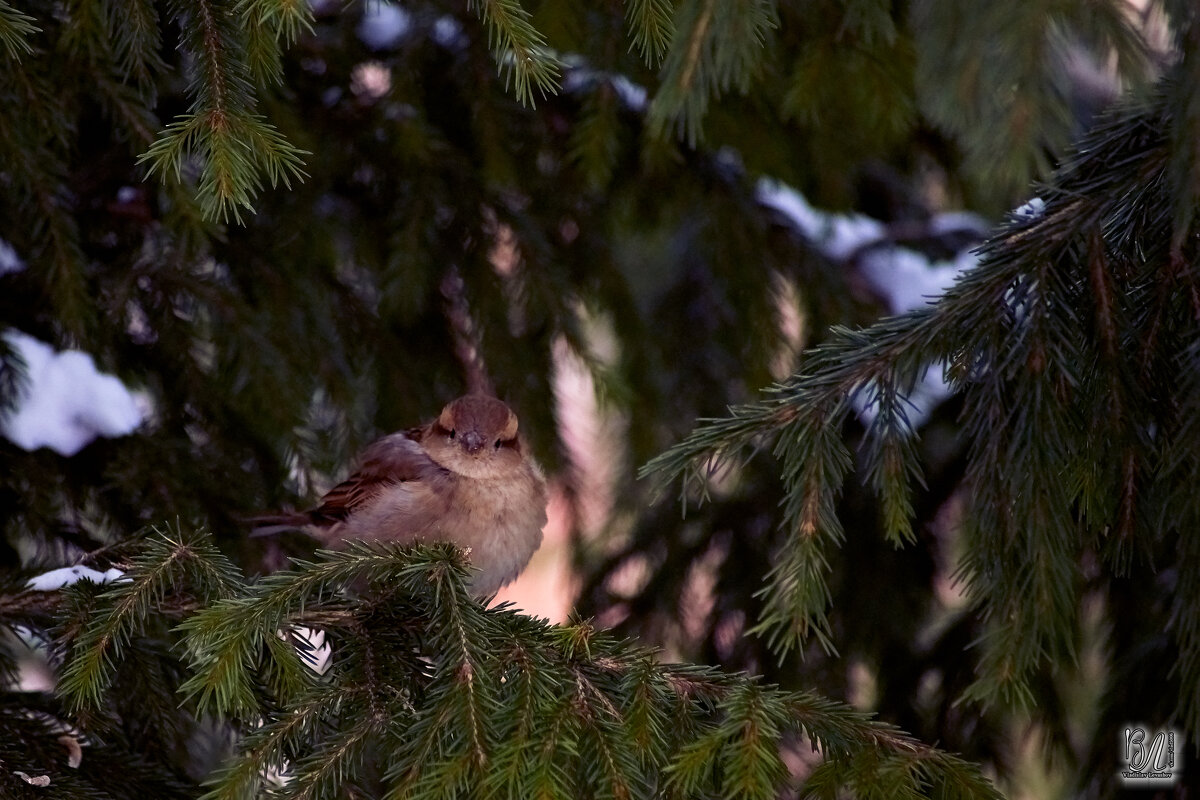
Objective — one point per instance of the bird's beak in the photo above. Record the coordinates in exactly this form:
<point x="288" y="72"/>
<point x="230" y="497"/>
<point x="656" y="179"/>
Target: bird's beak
<point x="472" y="442"/>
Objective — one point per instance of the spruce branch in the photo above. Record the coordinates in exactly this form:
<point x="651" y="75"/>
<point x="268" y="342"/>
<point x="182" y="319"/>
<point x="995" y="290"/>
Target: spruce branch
<point x="13" y="375"/>
<point x="753" y="765"/>
<point x="270" y="26"/>
<point x="235" y="146"/>
<point x="15" y="28"/>
<point x="171" y="559"/>
<point x="716" y="47"/>
<point x="520" y="764"/>
<point x="651" y="23"/>
<point x="288" y="19"/>
<point x="224" y="656"/>
<point x="511" y="705"/>
<point x="133" y="28"/>
<point x="892" y="458"/>
<point x="234" y="149"/>
<point x="270" y="746"/>
<point x="1053" y="341"/>
<point x="31" y="147"/>
<point x="264" y="54"/>
<point x="804" y="417"/>
<point x="126" y="106"/>
<point x="520" y="50"/>
<point x="334" y="761"/>
<point x="595" y="140"/>
<point x="1021" y="115"/>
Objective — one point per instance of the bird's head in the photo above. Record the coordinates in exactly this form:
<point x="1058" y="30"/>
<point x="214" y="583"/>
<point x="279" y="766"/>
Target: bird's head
<point x="476" y="436"/>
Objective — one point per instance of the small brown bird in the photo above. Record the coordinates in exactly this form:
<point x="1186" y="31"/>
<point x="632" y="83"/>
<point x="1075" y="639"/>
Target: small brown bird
<point x="466" y="478"/>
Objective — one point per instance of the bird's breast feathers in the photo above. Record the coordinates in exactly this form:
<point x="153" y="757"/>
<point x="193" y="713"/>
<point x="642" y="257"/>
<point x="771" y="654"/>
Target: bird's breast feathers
<point x="498" y="520"/>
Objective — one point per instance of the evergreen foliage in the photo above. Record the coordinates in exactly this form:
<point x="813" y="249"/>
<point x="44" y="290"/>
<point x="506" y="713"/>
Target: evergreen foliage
<point x="251" y="211"/>
<point x="1056" y="350"/>
<point x="430" y="695"/>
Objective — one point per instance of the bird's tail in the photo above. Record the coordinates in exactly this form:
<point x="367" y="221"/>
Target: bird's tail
<point x="271" y="524"/>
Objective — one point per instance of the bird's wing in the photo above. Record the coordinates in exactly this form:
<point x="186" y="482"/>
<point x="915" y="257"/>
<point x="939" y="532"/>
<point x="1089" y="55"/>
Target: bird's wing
<point x="394" y="459"/>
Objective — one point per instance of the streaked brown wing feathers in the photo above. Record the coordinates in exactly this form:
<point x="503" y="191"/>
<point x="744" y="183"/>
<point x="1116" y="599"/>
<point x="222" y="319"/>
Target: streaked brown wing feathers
<point x="393" y="459"/>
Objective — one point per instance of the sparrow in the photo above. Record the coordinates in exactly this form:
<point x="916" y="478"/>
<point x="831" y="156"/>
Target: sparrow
<point x="465" y="478"/>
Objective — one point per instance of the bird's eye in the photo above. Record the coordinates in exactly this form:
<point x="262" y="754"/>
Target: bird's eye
<point x="497" y="445"/>
<point x="452" y="432"/>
